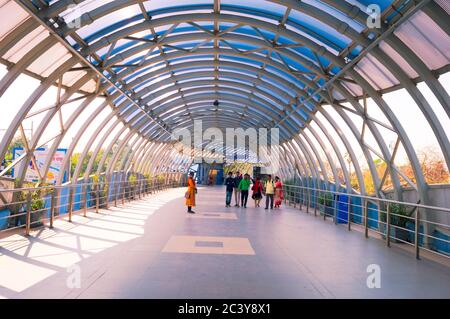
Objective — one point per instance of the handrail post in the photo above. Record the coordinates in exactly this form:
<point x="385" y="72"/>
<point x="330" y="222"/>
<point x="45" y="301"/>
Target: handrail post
<point x="324" y="206"/>
<point x="137" y="193"/>
<point x="97" y="199"/>
<point x="304" y="190"/>
<point x="52" y="207"/>
<point x="130" y="193"/>
<point x="336" y="206"/>
<point x="315" y="203"/>
<point x="106" y="192"/>
<point x="307" y="200"/>
<point x="122" y="190"/>
<point x="85" y="200"/>
<point x="388" y="225"/>
<point x="294" y="192"/>
<point x="295" y="199"/>
<point x="139" y="189"/>
<point x="28" y="218"/>
<point x="349" y="212"/>
<point x="116" y="188"/>
<point x="70" y="203"/>
<point x="416" y="234"/>
<point x="300" y="198"/>
<point x="366" y="221"/>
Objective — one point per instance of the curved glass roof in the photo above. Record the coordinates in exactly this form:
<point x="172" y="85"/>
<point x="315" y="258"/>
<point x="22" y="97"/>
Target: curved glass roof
<point x="154" y="50"/>
<point x="161" y="64"/>
<point x="277" y="56"/>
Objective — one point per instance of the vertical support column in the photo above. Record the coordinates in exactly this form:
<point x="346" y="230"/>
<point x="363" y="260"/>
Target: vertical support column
<point x="301" y="197"/>
<point x="107" y="183"/>
<point x="52" y="207"/>
<point x="307" y="200"/>
<point x="416" y="233"/>
<point x="388" y="225"/>
<point x="366" y="221"/>
<point x="85" y="200"/>
<point x="336" y="201"/>
<point x="324" y="205"/>
<point x="122" y="182"/>
<point x="28" y="217"/>
<point x="295" y="198"/>
<point x="70" y="202"/>
<point x="316" y="200"/>
<point x="140" y="188"/>
<point x="131" y="191"/>
<point x="116" y="189"/>
<point x="136" y="195"/>
<point x="349" y="212"/>
<point x="97" y="199"/>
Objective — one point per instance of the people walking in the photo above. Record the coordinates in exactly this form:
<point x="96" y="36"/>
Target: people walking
<point x="269" y="191"/>
<point x="191" y="193"/>
<point x="257" y="191"/>
<point x="278" y="197"/>
<point x="229" y="183"/>
<point x="237" y="192"/>
<point x="244" y="186"/>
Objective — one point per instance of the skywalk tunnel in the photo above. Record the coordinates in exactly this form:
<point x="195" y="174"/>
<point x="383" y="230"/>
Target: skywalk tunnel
<point x="93" y="95"/>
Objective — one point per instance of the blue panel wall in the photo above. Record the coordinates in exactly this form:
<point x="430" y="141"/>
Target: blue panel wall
<point x="3" y="220"/>
<point x="342" y="209"/>
<point x="356" y="210"/>
<point x="372" y="216"/>
<point x="441" y="243"/>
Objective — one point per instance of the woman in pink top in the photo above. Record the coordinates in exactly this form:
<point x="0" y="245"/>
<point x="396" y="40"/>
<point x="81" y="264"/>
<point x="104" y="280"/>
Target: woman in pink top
<point x="278" y="192"/>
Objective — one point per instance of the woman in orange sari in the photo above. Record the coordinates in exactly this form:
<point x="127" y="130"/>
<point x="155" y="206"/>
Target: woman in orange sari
<point x="278" y="197"/>
<point x="190" y="193"/>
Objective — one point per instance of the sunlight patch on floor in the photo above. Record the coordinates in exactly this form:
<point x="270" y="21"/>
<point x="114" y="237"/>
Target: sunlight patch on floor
<point x="25" y="261"/>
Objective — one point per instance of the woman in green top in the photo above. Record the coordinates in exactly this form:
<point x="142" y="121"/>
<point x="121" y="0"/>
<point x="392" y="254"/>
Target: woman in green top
<point x="244" y="186"/>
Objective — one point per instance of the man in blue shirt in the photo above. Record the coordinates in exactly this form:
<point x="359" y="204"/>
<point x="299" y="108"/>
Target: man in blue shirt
<point x="229" y="183"/>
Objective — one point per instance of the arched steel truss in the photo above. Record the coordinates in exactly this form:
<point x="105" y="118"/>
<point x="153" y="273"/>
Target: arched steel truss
<point x="266" y="67"/>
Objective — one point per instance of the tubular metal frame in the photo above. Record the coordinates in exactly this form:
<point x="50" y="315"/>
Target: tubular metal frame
<point x="294" y="194"/>
<point x="285" y="106"/>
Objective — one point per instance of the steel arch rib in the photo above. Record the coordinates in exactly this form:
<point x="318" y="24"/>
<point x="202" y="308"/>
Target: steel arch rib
<point x="404" y="138"/>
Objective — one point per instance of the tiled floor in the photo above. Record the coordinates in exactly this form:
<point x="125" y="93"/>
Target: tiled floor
<point x="153" y="249"/>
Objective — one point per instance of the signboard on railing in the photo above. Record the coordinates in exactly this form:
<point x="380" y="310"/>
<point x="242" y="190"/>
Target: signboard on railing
<point x="40" y="155"/>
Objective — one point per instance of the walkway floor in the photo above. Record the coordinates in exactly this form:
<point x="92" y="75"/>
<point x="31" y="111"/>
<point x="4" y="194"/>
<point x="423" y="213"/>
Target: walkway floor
<point x="152" y="249"/>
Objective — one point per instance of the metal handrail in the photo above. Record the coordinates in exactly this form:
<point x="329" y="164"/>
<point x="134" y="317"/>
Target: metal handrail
<point x="309" y="196"/>
<point x="80" y="197"/>
<point x="371" y="198"/>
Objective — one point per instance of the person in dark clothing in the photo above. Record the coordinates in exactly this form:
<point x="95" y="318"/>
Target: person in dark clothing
<point x="257" y="191"/>
<point x="229" y="183"/>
